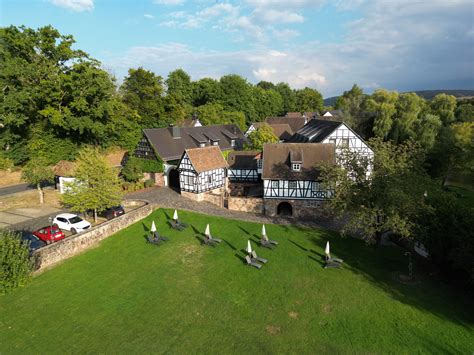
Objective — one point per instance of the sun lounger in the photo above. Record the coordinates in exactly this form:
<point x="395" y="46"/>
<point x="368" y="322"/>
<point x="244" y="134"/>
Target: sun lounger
<point x="250" y="262"/>
<point x="157" y="236"/>
<point x="176" y="225"/>
<point x="209" y="241"/>
<point x="334" y="265"/>
<point x="153" y="240"/>
<point x="255" y="257"/>
<point x="182" y="224"/>
<point x="217" y="240"/>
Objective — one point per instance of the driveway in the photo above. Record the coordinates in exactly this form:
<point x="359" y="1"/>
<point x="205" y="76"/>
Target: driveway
<point x="13" y="189"/>
<point x="168" y="198"/>
<point x="30" y="218"/>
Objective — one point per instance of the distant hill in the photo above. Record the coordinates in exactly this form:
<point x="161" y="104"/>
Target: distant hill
<point x="427" y="94"/>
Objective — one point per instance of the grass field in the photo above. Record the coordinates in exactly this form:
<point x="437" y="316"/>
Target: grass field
<point x="128" y="296"/>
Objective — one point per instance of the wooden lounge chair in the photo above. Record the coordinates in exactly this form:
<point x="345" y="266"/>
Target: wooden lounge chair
<point x="176" y="225"/>
<point x="333" y="262"/>
<point x="152" y="240"/>
<point x="250" y="262"/>
<point x="217" y="240"/>
<point x="157" y="236"/>
<point x="254" y="257"/>
<point x="182" y="224"/>
<point x="266" y="243"/>
<point x="209" y="241"/>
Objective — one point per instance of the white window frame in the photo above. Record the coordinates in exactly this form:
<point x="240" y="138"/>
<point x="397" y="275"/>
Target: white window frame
<point x="275" y="184"/>
<point x="232" y="142"/>
<point x="292" y="184"/>
<point x="296" y="166"/>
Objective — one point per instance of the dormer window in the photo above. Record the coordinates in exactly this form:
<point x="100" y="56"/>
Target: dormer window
<point x="215" y="143"/>
<point x="296" y="167"/>
<point x="202" y="145"/>
<point x="232" y="142"/>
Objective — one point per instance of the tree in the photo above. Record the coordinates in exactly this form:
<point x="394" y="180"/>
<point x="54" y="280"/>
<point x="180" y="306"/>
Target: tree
<point x="382" y="105"/>
<point x="237" y="96"/>
<point x="213" y="113"/>
<point x="37" y="172"/>
<point x="15" y="263"/>
<point x="444" y="106"/>
<point x="266" y="85"/>
<point x="351" y="103"/>
<point x="465" y="113"/>
<point x="206" y="91"/>
<point x="408" y="108"/>
<point x="266" y="103"/>
<point x="260" y="136"/>
<point x="179" y="86"/>
<point x="427" y="129"/>
<point x="289" y="97"/>
<point x="97" y="186"/>
<point x="390" y="199"/>
<point x="308" y="99"/>
<point x="143" y="92"/>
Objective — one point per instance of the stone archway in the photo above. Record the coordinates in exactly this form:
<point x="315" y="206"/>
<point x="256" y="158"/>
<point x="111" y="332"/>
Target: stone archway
<point x="285" y="209"/>
<point x="173" y="179"/>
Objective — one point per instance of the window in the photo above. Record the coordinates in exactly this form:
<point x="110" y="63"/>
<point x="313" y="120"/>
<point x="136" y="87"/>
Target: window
<point x="296" y="167"/>
<point x="189" y="180"/>
<point x="332" y="140"/>
<point x="232" y="142"/>
<point x="215" y="143"/>
<point x="315" y="186"/>
<point x="345" y="142"/>
<point x="292" y="184"/>
<point x="259" y="163"/>
<point x="209" y="179"/>
<point x="275" y="184"/>
<point x="201" y="145"/>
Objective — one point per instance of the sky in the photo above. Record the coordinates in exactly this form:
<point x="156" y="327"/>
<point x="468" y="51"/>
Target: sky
<point x="327" y="45"/>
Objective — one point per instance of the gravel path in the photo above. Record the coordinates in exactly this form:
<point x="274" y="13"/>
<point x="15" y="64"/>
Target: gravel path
<point x="168" y="198"/>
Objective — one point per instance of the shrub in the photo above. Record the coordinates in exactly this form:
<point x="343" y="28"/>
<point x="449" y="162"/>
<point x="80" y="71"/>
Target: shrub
<point x="135" y="167"/>
<point x="15" y="262"/>
<point x="6" y="163"/>
<point x="149" y="183"/>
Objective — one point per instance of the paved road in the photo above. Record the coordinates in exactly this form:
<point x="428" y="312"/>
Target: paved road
<point x="13" y="189"/>
<point x="30" y="219"/>
<point x="168" y="198"/>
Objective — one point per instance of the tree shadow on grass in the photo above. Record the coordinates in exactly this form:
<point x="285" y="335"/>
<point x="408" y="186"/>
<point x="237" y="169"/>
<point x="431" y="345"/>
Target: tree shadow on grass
<point x="230" y="245"/>
<point x="195" y="230"/>
<point x="166" y="215"/>
<point x="382" y="267"/>
<point x="244" y="230"/>
<point x="241" y="258"/>
<point x="297" y="245"/>
<point x="145" y="227"/>
<point x="317" y="260"/>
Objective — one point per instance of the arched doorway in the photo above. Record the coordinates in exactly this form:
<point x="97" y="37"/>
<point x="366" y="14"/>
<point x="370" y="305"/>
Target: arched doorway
<point x="173" y="179"/>
<point x="285" y="209"/>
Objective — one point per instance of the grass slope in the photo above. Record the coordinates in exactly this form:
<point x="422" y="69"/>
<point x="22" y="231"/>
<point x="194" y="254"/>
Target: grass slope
<point x="128" y="296"/>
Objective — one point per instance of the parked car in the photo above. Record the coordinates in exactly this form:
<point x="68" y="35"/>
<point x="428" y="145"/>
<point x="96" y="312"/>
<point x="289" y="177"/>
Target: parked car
<point x="71" y="222"/>
<point x="33" y="241"/>
<point x="112" y="212"/>
<point x="50" y="234"/>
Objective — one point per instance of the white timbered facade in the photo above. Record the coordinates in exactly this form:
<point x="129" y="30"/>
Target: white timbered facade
<point x="243" y="166"/>
<point x="294" y="190"/>
<point x="202" y="170"/>
<point x="242" y="174"/>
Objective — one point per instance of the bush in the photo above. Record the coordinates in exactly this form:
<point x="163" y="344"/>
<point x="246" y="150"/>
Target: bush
<point x="150" y="166"/>
<point x="6" y="163"/>
<point x="135" y="167"/>
<point x="15" y="262"/>
<point x="149" y="183"/>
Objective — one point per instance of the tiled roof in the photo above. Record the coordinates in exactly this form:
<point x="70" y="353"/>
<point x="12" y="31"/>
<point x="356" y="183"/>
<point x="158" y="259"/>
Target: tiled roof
<point x="171" y="148"/>
<point x="277" y="159"/>
<point x="243" y="159"/>
<point x="207" y="158"/>
<point x="282" y="130"/>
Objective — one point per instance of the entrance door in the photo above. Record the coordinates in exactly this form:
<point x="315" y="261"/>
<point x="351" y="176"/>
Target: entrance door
<point x="285" y="209"/>
<point x="173" y="179"/>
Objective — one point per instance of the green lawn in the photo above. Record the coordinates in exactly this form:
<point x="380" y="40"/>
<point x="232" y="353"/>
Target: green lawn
<point x="128" y="296"/>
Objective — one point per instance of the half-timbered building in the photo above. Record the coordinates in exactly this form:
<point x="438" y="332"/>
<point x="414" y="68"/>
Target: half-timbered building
<point x="243" y="166"/>
<point x="202" y="170"/>
<point x="290" y="177"/>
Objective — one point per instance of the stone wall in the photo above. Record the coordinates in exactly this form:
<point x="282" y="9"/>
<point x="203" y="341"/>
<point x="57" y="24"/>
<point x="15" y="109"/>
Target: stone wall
<point x="213" y="196"/>
<point x="246" y="204"/>
<point x="158" y="178"/>
<point x="76" y="244"/>
<point x="303" y="209"/>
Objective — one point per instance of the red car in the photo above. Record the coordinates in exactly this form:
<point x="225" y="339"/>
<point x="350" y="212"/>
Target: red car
<point x="50" y="234"/>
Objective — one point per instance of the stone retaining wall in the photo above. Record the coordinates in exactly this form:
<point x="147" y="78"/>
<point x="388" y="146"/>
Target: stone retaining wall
<point x="246" y="204"/>
<point x="73" y="245"/>
<point x="304" y="209"/>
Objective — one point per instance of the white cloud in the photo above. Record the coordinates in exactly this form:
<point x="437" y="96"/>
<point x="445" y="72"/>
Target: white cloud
<point x="276" y="16"/>
<point x="148" y="16"/>
<point x="169" y="2"/>
<point x="285" y="34"/>
<point x="75" y="5"/>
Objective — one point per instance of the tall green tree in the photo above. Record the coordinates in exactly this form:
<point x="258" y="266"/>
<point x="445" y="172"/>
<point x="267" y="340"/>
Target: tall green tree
<point x="143" y="91"/>
<point x="259" y="137"/>
<point x="289" y="97"/>
<point x="390" y="199"/>
<point x="444" y="106"/>
<point x="351" y="104"/>
<point x="237" y="96"/>
<point x="97" y="185"/>
<point x="206" y="91"/>
<point x="308" y="100"/>
<point x="382" y="106"/>
<point x="408" y="109"/>
<point x="38" y="172"/>
<point x="266" y="102"/>
<point x="465" y="113"/>
<point x="178" y="85"/>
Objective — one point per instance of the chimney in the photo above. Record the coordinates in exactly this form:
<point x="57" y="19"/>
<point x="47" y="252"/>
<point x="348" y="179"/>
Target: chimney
<point x="175" y="131"/>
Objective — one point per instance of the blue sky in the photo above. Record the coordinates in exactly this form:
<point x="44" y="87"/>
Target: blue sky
<point x="328" y="45"/>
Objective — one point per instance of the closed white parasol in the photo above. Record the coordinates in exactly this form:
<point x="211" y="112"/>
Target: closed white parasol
<point x="264" y="232"/>
<point x="249" y="247"/>
<point x="153" y="227"/>
<point x="327" y="249"/>
<point x="208" y="230"/>
<point x="175" y="215"/>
